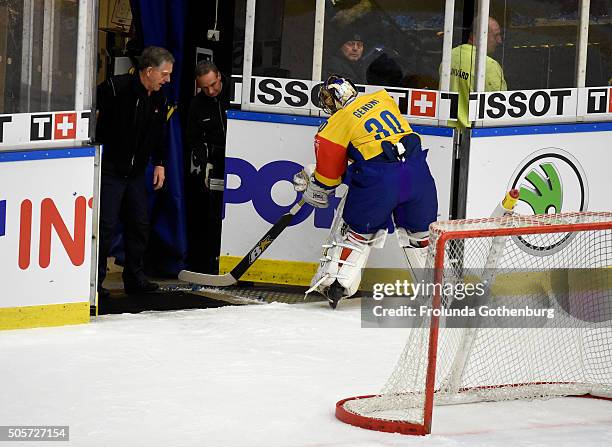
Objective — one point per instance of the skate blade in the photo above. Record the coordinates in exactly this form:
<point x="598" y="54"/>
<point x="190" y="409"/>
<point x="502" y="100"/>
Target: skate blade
<point x="334" y="294"/>
<point x="333" y="303"/>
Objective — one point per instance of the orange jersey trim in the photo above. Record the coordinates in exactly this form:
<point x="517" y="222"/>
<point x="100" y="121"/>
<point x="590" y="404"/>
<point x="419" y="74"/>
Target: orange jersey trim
<point x="331" y="161"/>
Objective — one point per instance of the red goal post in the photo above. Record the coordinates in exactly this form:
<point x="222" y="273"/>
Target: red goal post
<point x="442" y="365"/>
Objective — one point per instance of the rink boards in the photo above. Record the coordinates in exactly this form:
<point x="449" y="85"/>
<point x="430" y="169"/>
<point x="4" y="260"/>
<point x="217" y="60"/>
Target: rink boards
<point x="46" y="221"/>
<point x="562" y="165"/>
<point x="264" y="151"/>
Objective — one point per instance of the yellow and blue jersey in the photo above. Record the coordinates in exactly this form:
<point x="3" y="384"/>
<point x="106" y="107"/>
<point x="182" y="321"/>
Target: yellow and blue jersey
<point x="357" y="130"/>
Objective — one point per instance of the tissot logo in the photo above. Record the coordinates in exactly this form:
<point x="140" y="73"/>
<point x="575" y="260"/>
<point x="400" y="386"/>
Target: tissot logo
<point x="22" y="128"/>
<point x="65" y="126"/>
<point x="599" y="100"/>
<point x="550" y="181"/>
<point x="3" y="120"/>
<point x="40" y="127"/>
<point x="294" y="94"/>
<point x="288" y="93"/>
<point x="423" y="103"/>
<point x="525" y="104"/>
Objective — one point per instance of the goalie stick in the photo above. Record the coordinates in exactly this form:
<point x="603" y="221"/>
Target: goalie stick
<point x="232" y="277"/>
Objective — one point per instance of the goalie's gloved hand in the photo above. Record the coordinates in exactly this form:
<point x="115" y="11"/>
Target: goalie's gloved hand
<point x="317" y="195"/>
<point x="207" y="174"/>
<point x="302" y="178"/>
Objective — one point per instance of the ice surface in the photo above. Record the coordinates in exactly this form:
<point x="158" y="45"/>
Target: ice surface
<point x="266" y="375"/>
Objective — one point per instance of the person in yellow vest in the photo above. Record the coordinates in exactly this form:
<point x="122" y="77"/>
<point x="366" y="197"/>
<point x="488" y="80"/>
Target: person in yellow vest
<point x="463" y="70"/>
<point x="368" y="144"/>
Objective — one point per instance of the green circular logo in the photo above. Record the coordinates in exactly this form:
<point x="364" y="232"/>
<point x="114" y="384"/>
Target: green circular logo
<point x="550" y="181"/>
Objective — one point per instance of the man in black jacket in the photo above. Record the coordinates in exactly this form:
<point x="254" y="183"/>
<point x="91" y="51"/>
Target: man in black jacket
<point x="347" y="60"/>
<point x="206" y="132"/>
<point x="131" y="126"/>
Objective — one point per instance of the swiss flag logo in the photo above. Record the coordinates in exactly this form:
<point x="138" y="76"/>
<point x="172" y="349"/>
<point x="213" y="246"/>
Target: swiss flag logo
<point x="423" y="103"/>
<point x="64" y="127"/>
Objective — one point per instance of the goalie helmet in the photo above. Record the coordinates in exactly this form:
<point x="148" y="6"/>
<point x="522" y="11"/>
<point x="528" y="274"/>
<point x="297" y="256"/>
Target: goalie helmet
<point x="336" y="93"/>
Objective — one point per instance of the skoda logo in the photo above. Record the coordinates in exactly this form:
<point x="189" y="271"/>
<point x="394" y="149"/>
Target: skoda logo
<point x="550" y="181"/>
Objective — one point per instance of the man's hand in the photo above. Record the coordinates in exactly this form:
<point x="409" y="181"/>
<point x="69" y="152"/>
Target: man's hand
<point x="159" y="175"/>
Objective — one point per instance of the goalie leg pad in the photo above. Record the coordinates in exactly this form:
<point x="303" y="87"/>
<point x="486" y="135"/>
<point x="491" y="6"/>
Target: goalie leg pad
<point x="344" y="256"/>
<point x="415" y="247"/>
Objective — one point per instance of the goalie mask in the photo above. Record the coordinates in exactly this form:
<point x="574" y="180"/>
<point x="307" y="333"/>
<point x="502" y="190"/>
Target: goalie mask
<point x="336" y="93"/>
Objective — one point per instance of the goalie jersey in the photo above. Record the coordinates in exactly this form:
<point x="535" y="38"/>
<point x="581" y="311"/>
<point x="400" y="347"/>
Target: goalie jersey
<point x="356" y="132"/>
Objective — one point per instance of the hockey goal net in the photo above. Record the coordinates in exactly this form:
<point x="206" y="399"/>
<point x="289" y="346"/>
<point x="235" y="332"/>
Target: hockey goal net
<point x="568" y="355"/>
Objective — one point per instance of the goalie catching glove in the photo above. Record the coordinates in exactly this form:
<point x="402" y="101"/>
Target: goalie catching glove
<point x="314" y="194"/>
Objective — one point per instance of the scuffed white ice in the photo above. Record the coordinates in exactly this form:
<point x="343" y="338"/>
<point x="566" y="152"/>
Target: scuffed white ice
<point x="246" y="376"/>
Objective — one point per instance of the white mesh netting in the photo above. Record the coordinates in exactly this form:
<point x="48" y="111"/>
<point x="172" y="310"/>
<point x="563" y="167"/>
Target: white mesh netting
<point x="567" y="355"/>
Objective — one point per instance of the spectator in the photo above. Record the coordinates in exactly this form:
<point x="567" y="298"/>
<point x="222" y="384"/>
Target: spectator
<point x="347" y="60"/>
<point x="206" y="132"/>
<point x="463" y="67"/>
<point x="131" y="126"/>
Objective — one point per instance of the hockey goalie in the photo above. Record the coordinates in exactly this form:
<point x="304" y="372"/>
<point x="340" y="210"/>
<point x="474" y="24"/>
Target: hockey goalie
<point x="369" y="145"/>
